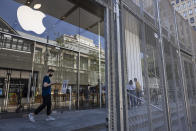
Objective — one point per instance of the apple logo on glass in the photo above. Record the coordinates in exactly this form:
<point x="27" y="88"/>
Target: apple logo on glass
<point x="31" y="20"/>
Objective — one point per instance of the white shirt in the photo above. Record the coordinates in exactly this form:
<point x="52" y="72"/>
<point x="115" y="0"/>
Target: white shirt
<point x="131" y="87"/>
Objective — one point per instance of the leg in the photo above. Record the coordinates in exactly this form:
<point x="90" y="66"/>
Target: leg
<point x="49" y="105"/>
<point x="132" y="98"/>
<point x="140" y="96"/>
<point x="135" y="98"/>
<point x="42" y="106"/>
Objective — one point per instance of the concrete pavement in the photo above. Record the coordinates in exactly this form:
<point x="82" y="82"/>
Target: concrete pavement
<point x="84" y="120"/>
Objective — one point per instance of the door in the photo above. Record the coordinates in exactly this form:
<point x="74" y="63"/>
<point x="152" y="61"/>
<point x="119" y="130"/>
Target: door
<point x="14" y="90"/>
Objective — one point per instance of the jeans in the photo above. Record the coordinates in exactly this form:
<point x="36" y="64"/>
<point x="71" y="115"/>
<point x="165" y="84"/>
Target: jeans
<point x="46" y="102"/>
<point x="132" y="97"/>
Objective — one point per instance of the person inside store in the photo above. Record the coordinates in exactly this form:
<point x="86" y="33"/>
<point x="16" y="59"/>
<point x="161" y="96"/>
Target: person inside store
<point x="46" y="95"/>
<point x="138" y="91"/>
<point x="132" y="93"/>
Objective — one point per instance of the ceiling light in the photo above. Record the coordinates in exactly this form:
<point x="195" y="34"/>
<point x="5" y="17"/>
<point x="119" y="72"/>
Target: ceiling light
<point x="37" y="6"/>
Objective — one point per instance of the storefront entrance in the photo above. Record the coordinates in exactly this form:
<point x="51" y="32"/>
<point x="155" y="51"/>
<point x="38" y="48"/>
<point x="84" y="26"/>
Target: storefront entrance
<point x="14" y="90"/>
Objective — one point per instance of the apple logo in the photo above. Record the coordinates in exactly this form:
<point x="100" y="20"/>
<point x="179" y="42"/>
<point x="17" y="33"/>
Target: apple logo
<point x="31" y="20"/>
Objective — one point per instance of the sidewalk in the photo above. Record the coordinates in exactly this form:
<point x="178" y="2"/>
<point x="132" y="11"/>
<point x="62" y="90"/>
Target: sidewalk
<point x="84" y="120"/>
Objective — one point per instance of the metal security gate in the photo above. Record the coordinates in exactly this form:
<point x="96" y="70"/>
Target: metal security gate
<point x="145" y="38"/>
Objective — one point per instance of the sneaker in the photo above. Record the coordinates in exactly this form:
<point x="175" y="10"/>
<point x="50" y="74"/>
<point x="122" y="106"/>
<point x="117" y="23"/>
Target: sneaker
<point x="50" y="118"/>
<point x="31" y="117"/>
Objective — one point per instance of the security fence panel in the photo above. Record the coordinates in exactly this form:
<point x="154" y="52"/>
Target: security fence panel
<point x="170" y="22"/>
<point x="180" y="91"/>
<point x="153" y="56"/>
<point x="144" y="88"/>
<point x="190" y="86"/>
<point x="155" y="84"/>
<point x="175" y="88"/>
<point x="171" y="87"/>
<point x="137" y="107"/>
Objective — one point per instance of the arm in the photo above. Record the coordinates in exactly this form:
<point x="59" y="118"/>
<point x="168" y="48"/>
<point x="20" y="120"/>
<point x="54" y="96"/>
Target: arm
<point x="46" y="84"/>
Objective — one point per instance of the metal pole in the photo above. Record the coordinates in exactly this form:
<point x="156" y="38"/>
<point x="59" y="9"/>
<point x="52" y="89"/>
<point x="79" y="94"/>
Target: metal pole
<point x="70" y="96"/>
<point x="164" y="68"/>
<point x="8" y="88"/>
<point x="78" y="82"/>
<point x="119" y="87"/>
<point x="109" y="101"/>
<point x="124" y="65"/>
<point x="31" y="75"/>
<point x="100" y="88"/>
<point x="33" y="61"/>
<point x="29" y="88"/>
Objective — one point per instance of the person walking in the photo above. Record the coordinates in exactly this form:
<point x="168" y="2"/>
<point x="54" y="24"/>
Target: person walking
<point x="138" y="91"/>
<point x="46" y="95"/>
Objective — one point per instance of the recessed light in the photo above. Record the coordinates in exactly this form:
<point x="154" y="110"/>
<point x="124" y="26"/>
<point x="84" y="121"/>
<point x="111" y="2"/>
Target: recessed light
<point x="28" y="2"/>
<point x="37" y="6"/>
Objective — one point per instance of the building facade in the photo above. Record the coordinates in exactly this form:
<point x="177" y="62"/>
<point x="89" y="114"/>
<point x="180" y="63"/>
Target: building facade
<point x="187" y="9"/>
<point x="97" y="47"/>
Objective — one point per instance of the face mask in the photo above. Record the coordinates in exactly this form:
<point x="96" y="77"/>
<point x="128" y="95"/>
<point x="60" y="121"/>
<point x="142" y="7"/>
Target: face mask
<point x="50" y="75"/>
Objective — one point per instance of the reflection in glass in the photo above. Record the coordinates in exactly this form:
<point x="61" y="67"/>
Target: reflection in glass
<point x="72" y="44"/>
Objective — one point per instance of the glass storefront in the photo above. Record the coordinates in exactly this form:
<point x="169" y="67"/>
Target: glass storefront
<point x="67" y="36"/>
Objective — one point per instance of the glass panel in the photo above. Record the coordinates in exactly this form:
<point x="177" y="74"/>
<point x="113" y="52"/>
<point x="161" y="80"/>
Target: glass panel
<point x="69" y="38"/>
<point x="14" y="87"/>
<point x="92" y="55"/>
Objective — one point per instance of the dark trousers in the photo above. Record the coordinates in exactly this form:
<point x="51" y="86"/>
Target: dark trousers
<point x="132" y="98"/>
<point x="46" y="102"/>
